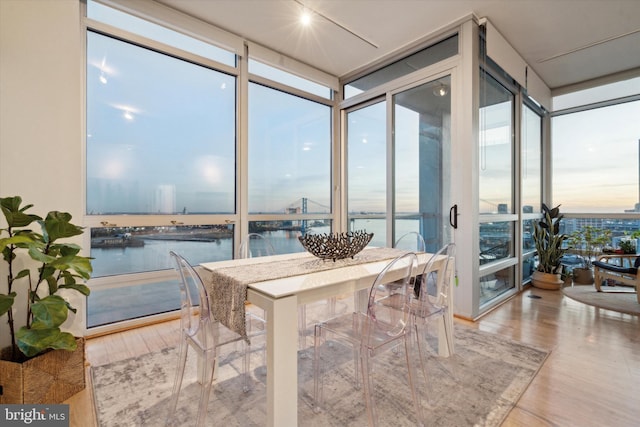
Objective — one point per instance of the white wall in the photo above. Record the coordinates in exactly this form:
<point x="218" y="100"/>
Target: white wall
<point x="41" y="112"/>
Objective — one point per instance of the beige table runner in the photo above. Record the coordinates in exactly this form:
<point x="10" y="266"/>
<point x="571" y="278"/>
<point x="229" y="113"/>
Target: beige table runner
<point x="227" y="286"/>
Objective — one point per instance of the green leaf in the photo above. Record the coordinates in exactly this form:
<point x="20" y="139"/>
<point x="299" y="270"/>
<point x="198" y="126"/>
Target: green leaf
<point x="22" y="274"/>
<point x="58" y="226"/>
<point x="15" y="240"/>
<point x="53" y="284"/>
<point x="79" y="264"/>
<point x="49" y="312"/>
<point x="14" y="214"/>
<point x="34" y="341"/>
<point x="67" y="249"/>
<point x="39" y="256"/>
<point x="83" y="289"/>
<point x="6" y="301"/>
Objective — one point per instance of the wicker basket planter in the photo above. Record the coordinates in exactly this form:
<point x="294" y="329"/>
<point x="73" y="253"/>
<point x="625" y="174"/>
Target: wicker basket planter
<point x="548" y="281"/>
<point x="51" y="377"/>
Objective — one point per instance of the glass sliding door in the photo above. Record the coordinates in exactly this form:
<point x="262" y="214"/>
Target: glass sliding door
<point x="531" y="183"/>
<point x="366" y="170"/>
<point x="496" y="189"/>
<point x="422" y="143"/>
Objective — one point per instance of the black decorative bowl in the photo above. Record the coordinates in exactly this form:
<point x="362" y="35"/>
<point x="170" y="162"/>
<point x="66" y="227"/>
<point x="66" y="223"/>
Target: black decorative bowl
<point x="336" y="245"/>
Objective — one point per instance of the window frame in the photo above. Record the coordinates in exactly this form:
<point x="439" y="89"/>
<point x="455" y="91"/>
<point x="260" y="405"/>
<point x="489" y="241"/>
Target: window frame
<point x="239" y="218"/>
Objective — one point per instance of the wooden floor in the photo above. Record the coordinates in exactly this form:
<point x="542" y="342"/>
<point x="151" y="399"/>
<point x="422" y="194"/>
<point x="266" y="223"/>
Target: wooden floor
<point x="591" y="378"/>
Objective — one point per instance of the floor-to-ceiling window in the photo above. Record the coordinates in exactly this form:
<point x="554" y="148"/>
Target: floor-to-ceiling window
<point x="366" y="170"/>
<point x="595" y="136"/>
<point x="398" y="145"/>
<point x="289" y="169"/>
<point x="419" y="170"/>
<point x="174" y="163"/>
<point x="422" y="147"/>
<point x="530" y="181"/>
<point x="160" y="164"/>
<point x="496" y="187"/>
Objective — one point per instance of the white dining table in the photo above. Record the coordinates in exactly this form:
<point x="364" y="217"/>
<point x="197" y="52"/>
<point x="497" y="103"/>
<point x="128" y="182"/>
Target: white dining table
<point x="280" y="299"/>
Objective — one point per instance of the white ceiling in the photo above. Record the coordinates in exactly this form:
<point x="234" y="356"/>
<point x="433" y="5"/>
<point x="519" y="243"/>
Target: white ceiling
<point x="564" y="41"/>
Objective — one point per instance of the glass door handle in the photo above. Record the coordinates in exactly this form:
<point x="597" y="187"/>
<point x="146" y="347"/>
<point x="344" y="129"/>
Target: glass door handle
<point x="453" y="216"/>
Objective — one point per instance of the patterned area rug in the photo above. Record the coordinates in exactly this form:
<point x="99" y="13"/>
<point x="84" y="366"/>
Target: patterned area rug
<point x="478" y="387"/>
<point x="622" y="299"/>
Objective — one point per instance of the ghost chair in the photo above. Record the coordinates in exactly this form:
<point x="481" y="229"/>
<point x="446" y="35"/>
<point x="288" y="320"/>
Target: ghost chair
<point x="411" y="241"/>
<point x="323" y="309"/>
<point x="255" y="245"/>
<point x="373" y="333"/>
<point x="204" y="334"/>
<point x="431" y="306"/>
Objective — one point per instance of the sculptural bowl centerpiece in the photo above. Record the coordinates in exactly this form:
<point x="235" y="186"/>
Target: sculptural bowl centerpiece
<point x="336" y="245"/>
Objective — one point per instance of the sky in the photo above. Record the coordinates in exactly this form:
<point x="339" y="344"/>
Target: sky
<point x="595" y="159"/>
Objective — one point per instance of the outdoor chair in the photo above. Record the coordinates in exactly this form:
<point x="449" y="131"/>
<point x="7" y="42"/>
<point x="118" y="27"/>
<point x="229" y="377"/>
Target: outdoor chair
<point x="617" y="268"/>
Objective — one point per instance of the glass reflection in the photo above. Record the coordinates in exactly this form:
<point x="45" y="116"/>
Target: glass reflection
<point x="495" y="241"/>
<point x="495" y="284"/>
<point x="366" y="171"/>
<point x="160" y="134"/>
<point x="289" y="153"/>
<point x="496" y="147"/>
<point x="422" y="122"/>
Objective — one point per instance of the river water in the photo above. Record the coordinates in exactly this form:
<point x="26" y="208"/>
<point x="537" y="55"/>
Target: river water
<point x="154" y="255"/>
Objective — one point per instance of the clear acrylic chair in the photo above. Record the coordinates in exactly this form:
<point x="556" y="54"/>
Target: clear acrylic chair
<point x="411" y="241"/>
<point x="204" y="334"/>
<point x="326" y="312"/>
<point x="255" y="245"/>
<point x="431" y="304"/>
<point x="374" y="332"/>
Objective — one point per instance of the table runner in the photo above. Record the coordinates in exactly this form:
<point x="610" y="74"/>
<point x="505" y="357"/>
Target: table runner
<point x="227" y="286"/>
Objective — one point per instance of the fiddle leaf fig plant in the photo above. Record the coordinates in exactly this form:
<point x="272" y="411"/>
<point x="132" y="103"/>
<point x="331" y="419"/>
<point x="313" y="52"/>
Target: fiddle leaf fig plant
<point x="56" y="265"/>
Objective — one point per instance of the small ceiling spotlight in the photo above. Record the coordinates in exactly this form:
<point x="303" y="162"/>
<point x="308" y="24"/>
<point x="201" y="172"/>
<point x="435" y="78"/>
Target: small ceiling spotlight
<point x="127" y="115"/>
<point x="103" y="79"/>
<point x="305" y="17"/>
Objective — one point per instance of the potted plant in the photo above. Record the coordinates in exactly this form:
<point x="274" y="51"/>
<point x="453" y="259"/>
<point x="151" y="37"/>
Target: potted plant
<point x="627" y="246"/>
<point x="39" y="270"/>
<point x="549" y="247"/>
<point x="587" y="242"/>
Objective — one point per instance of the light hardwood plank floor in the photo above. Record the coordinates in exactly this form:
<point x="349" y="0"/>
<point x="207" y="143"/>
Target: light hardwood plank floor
<point x="591" y="377"/>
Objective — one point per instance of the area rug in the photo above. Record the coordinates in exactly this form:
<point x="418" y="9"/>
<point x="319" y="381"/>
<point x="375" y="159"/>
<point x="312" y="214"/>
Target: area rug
<point x="617" y="298"/>
<point x="478" y="387"/>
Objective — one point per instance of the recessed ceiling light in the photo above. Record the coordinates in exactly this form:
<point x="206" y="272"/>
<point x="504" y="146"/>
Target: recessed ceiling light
<point x="305" y="17"/>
